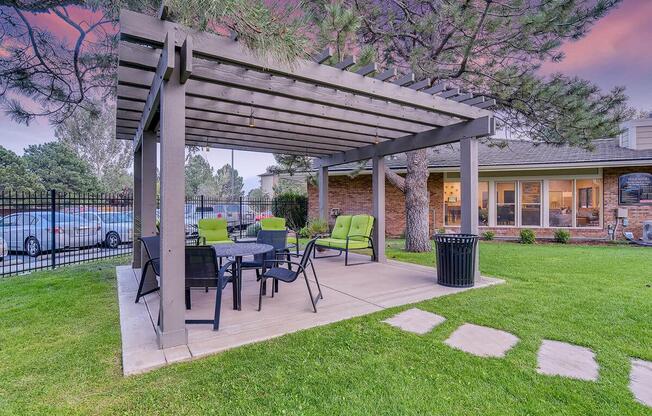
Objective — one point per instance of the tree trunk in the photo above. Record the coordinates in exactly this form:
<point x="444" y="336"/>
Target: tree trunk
<point x="417" y="204"/>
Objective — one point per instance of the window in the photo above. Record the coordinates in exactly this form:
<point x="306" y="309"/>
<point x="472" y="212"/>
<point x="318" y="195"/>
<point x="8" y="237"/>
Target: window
<point x="506" y="203"/>
<point x="483" y="203"/>
<point x="589" y="196"/>
<point x="531" y="203"/>
<point x="560" y="203"/>
<point x="452" y="203"/>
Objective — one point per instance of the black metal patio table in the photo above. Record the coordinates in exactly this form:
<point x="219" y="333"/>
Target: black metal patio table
<point x="238" y="251"/>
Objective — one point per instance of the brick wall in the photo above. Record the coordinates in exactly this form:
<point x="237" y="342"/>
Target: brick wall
<point x="353" y="196"/>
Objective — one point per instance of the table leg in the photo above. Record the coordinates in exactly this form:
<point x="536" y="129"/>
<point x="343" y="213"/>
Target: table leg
<point x="235" y="285"/>
<point x="238" y="261"/>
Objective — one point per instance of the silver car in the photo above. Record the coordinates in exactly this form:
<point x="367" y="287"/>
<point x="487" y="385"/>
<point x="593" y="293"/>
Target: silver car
<point x="32" y="232"/>
<point x="117" y="227"/>
<point x="4" y="250"/>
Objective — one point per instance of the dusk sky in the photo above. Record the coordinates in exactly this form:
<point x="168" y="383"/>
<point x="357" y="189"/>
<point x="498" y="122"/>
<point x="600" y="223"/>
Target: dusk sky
<point x="617" y="51"/>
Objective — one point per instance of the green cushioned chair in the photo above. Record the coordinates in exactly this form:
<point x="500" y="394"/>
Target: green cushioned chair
<point x="349" y="233"/>
<point x="278" y="224"/>
<point x="213" y="231"/>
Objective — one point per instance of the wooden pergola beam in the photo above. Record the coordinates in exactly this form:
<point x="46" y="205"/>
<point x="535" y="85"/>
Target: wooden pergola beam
<point x="480" y="127"/>
<point x="146" y="28"/>
<point x="163" y="71"/>
<point x="323" y="56"/>
<point x="345" y="63"/>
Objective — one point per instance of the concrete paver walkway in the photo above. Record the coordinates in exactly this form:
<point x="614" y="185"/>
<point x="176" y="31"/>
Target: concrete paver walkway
<point x="415" y="320"/>
<point x="640" y="381"/>
<point x="482" y="341"/>
<point x="561" y="359"/>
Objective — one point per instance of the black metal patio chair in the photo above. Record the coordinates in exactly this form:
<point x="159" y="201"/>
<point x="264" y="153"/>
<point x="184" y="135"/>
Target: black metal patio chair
<point x="151" y="269"/>
<point x="202" y="271"/>
<point x="276" y="239"/>
<point x="289" y="276"/>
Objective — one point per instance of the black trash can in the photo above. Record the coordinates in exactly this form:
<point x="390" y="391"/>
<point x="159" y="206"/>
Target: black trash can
<point x="456" y="259"/>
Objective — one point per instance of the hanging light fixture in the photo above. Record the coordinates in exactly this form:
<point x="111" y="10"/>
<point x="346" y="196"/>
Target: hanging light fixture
<point x="252" y="122"/>
<point x="376" y="139"/>
<point x="207" y="148"/>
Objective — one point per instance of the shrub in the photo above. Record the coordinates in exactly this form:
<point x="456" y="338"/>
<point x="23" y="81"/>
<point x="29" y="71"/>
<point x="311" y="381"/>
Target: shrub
<point x="252" y="229"/>
<point x="314" y="227"/>
<point x="441" y="230"/>
<point x="488" y="235"/>
<point x="293" y="207"/>
<point x="562" y="236"/>
<point x="527" y="236"/>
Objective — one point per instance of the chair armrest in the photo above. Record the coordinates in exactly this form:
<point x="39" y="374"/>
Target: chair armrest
<point x="225" y="267"/>
<point x="285" y="262"/>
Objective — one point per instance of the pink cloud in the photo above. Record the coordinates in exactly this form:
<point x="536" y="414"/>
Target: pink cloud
<point x="621" y="38"/>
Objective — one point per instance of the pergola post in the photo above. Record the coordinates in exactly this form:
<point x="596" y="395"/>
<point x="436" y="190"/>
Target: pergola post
<point x="172" y="329"/>
<point x="148" y="186"/>
<point x="469" y="190"/>
<point x="378" y="192"/>
<point x="323" y="192"/>
<point x="137" y="217"/>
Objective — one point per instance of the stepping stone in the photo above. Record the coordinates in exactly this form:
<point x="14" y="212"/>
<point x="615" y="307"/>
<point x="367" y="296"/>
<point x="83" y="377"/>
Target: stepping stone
<point x="561" y="359"/>
<point x="482" y="341"/>
<point x="415" y="320"/>
<point x="640" y="381"/>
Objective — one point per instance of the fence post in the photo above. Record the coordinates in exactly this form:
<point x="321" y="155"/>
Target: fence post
<point x="53" y="237"/>
<point x="240" y="227"/>
<point x="201" y="209"/>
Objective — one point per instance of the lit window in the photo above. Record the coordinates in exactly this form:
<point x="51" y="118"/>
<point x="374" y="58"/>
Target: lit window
<point x="483" y="203"/>
<point x="505" y="203"/>
<point x="531" y="203"/>
<point x="589" y="196"/>
<point x="452" y="203"/>
<point x="560" y="196"/>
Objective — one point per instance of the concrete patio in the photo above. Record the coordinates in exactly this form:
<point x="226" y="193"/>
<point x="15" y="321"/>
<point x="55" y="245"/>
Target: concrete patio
<point x="348" y="292"/>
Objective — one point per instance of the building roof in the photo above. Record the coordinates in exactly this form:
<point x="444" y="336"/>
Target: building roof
<point x="525" y="154"/>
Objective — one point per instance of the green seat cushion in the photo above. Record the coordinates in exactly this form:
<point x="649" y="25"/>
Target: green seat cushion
<point x="361" y="225"/>
<point x="273" y="223"/>
<point x="341" y="227"/>
<point x="339" y="243"/>
<point x="210" y="243"/>
<point x="214" y="230"/>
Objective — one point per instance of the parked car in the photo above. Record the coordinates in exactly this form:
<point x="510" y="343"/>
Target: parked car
<point x="32" y="232"/>
<point x="189" y="222"/>
<point x="117" y="227"/>
<point x="4" y="250"/>
<point x="232" y="214"/>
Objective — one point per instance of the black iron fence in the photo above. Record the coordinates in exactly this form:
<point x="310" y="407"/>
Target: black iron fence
<point x="51" y="229"/>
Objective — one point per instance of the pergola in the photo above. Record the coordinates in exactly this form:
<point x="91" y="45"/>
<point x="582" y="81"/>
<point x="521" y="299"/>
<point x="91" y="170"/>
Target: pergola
<point x="179" y="87"/>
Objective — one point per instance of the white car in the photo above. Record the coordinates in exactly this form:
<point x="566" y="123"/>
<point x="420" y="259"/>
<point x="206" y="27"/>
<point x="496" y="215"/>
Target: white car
<point x="4" y="250"/>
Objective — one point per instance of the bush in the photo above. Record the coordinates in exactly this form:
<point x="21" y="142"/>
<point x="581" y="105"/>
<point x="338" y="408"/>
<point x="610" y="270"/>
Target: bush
<point x="293" y="207"/>
<point x="488" y="235"/>
<point x="527" y="236"/>
<point x="441" y="230"/>
<point x="252" y="229"/>
<point x="562" y="236"/>
<point x="314" y="227"/>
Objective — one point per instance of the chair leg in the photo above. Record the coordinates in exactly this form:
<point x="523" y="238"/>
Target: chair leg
<point x="316" y="280"/>
<point x="218" y="307"/>
<point x="373" y="251"/>
<point x="346" y="257"/>
<point x="142" y="282"/>
<point x="263" y="283"/>
<point x="312" y="300"/>
<point x="187" y="298"/>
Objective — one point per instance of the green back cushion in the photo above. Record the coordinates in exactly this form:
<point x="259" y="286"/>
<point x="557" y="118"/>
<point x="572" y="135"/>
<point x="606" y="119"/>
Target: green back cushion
<point x="341" y="227"/>
<point x="273" y="223"/>
<point x="213" y="229"/>
<point x="361" y="225"/>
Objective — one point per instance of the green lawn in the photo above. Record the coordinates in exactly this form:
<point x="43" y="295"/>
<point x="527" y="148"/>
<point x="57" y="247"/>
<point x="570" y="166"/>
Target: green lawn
<point x="60" y="347"/>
